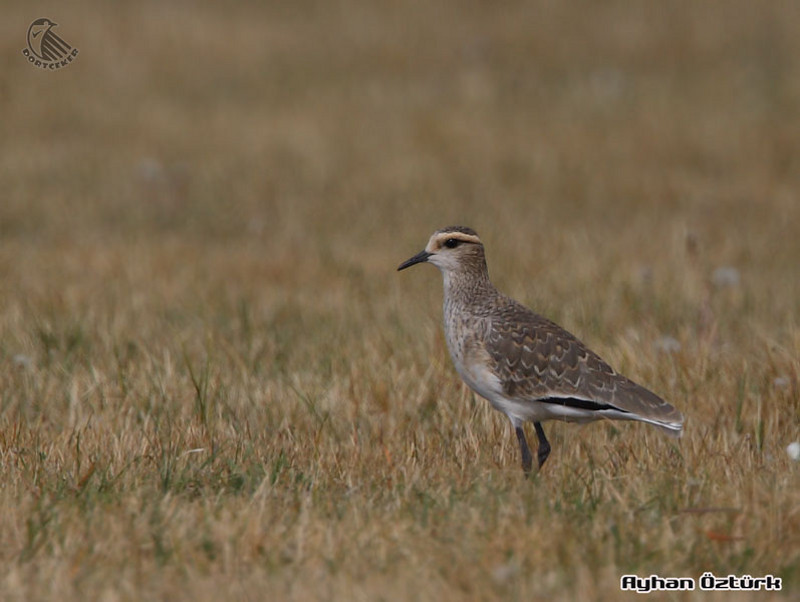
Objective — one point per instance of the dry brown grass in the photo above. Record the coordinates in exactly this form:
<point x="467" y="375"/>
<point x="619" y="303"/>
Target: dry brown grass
<point x="213" y="385"/>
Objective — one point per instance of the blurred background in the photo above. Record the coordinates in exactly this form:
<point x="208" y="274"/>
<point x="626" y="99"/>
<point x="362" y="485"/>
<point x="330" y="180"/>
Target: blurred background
<point x="318" y="143"/>
<point x="573" y="136"/>
<point x="233" y="186"/>
<point x="368" y="126"/>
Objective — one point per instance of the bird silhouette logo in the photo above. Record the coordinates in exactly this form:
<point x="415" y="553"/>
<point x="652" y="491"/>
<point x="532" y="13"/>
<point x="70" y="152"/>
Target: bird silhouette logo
<point x="46" y="49"/>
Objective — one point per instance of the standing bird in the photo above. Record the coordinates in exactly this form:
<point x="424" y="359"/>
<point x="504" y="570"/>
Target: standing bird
<point x="526" y="366"/>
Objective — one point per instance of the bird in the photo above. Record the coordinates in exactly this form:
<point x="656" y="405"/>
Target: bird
<point x="526" y="366"/>
<point x="44" y="42"/>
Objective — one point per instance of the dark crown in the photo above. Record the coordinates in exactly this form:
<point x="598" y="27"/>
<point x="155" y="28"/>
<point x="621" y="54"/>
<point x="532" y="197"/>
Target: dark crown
<point x="460" y="229"/>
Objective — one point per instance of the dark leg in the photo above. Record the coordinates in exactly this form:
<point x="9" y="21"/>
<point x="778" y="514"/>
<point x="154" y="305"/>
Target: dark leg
<point x="544" y="445"/>
<point x="527" y="459"/>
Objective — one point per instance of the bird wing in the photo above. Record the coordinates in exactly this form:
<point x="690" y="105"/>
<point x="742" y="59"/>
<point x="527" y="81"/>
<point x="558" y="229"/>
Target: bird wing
<point x="537" y="360"/>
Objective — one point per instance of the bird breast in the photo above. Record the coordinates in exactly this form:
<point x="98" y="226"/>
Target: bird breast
<point x="465" y="336"/>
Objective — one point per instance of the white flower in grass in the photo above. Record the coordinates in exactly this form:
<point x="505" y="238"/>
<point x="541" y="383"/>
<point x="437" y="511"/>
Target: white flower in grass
<point x="726" y="276"/>
<point x="781" y="382"/>
<point x="668" y="344"/>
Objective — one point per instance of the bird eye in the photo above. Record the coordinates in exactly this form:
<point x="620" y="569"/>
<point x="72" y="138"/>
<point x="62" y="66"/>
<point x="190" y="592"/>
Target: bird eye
<point x="451" y="243"/>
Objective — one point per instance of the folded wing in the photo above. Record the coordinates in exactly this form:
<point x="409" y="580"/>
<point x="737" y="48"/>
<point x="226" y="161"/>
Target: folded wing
<point x="538" y="361"/>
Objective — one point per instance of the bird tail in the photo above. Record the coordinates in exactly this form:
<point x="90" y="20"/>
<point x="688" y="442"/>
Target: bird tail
<point x="646" y="406"/>
<point x="673" y="429"/>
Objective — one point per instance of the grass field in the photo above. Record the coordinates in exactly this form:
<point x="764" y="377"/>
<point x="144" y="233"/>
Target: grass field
<point x="214" y="385"/>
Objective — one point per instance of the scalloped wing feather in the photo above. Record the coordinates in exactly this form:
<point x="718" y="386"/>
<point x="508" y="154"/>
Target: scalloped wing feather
<point x="536" y="360"/>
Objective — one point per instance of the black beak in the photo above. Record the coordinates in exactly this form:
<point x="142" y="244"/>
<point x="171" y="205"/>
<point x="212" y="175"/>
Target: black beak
<point x="420" y="257"/>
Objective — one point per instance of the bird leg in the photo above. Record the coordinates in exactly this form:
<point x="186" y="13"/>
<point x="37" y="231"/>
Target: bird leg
<point x="544" y="445"/>
<point x="527" y="459"/>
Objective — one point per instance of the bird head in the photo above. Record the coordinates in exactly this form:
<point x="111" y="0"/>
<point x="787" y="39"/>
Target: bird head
<point x="450" y="249"/>
<point x="36" y="34"/>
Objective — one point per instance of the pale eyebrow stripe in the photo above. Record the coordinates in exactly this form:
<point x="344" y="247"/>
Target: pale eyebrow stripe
<point x="459" y="236"/>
